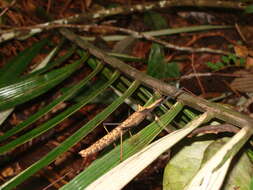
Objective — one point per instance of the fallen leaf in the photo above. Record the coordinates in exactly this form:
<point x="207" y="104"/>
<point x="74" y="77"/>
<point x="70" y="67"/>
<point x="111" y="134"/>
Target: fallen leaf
<point x="87" y="3"/>
<point x="246" y="33"/>
<point x="184" y="165"/>
<point x="241" y="51"/>
<point x="244" y="83"/>
<point x="249" y="63"/>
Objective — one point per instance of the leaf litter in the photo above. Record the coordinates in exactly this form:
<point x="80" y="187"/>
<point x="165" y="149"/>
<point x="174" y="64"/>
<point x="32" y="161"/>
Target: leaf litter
<point x="215" y="85"/>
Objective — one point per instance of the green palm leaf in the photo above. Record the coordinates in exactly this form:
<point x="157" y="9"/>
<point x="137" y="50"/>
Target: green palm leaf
<point x="23" y="91"/>
<point x="49" y="107"/>
<point x="72" y="140"/>
<point x="16" y="66"/>
<point x="129" y="147"/>
<point x="25" y="88"/>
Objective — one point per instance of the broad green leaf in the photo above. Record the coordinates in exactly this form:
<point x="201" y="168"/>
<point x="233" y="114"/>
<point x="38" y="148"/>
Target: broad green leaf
<point x="214" y="170"/>
<point x="213" y="148"/>
<point x="232" y="57"/>
<point x="129" y="147"/>
<point x="215" y="66"/>
<point x="242" y="61"/>
<point x="239" y="176"/>
<point x="157" y="67"/>
<point x="225" y="59"/>
<point x="16" y="66"/>
<point x="23" y="91"/>
<point x="49" y="107"/>
<point x="156" y="64"/>
<point x="211" y="65"/>
<point x="72" y="140"/>
<point x="172" y="70"/>
<point x="249" y="9"/>
<point x="184" y="164"/>
<point x="220" y="65"/>
<point x="155" y="20"/>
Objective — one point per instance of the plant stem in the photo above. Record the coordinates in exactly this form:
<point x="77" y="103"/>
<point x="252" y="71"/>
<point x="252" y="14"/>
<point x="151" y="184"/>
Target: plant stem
<point x="221" y="112"/>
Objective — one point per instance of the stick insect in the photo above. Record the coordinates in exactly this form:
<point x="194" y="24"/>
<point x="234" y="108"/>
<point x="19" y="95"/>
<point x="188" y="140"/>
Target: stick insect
<point x="133" y="120"/>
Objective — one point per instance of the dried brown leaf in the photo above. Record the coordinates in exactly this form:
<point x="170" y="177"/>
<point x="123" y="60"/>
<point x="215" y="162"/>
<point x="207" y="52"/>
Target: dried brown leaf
<point x="243" y="84"/>
<point x="246" y="33"/>
<point x="87" y="3"/>
<point x="249" y="63"/>
<point x="241" y="51"/>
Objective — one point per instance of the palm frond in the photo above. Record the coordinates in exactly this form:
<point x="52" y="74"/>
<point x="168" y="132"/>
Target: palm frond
<point x="127" y="83"/>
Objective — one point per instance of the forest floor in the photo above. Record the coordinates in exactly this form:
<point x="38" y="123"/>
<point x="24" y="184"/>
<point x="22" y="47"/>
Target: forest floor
<point x="214" y="76"/>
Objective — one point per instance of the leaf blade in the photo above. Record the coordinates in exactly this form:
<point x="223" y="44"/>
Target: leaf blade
<point x="49" y="107"/>
<point x="69" y="142"/>
<point x="21" y="92"/>
<point x="12" y="70"/>
<point x="130" y="146"/>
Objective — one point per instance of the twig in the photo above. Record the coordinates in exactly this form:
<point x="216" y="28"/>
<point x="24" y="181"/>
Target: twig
<point x="209" y="129"/>
<point x="245" y="106"/>
<point x="66" y="5"/>
<point x="88" y="27"/>
<point x="86" y="17"/>
<point x="209" y="34"/>
<point x="192" y="75"/>
<point x="133" y="120"/>
<point x="7" y="8"/>
<point x="240" y="33"/>
<point x="146" y="35"/>
<point x="57" y="180"/>
<point x="151" y="38"/>
<point x="231" y="88"/>
<point x="198" y="80"/>
<point x="49" y="3"/>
